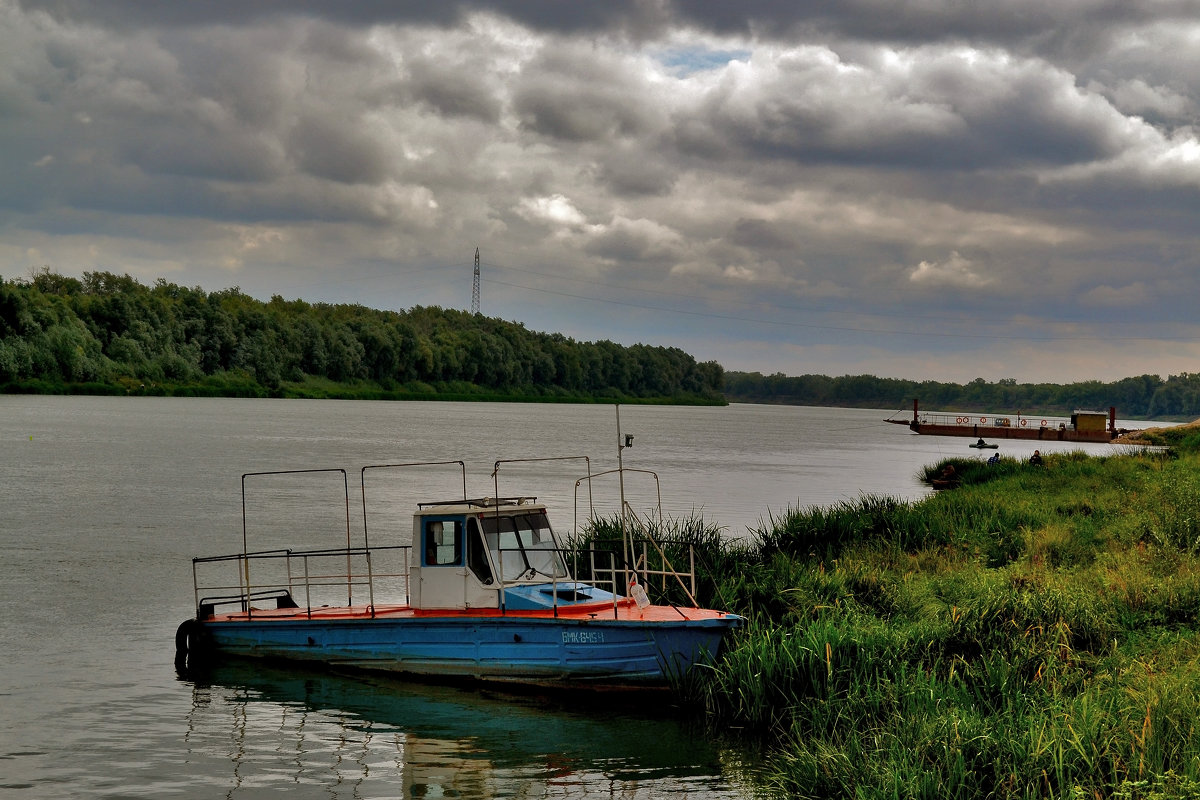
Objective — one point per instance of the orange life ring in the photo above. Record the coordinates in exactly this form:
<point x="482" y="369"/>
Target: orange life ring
<point x="983" y="420"/>
<point x="1024" y="422"/>
<point x="1043" y="423"/>
<point x="958" y="420"/>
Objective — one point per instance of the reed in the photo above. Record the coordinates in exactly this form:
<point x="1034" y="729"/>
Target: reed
<point x="1029" y="634"/>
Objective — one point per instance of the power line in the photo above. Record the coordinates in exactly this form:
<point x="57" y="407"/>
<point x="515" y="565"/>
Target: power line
<point x="734" y="318"/>
<point x="853" y="329"/>
<point x="783" y="307"/>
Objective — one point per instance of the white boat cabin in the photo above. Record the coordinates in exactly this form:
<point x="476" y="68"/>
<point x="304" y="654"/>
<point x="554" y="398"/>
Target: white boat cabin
<point x="489" y="553"/>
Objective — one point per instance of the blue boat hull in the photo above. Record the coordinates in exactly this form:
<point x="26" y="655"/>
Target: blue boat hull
<point x="541" y="651"/>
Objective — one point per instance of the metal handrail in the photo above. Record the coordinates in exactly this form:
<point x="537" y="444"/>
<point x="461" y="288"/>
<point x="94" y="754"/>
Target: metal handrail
<point x="346" y="492"/>
<point x="668" y="569"/>
<point x="290" y="584"/>
<point x="591" y="476"/>
<point x="570" y="577"/>
<point x="496" y="468"/>
<point x="362" y="478"/>
<point x="1017" y="419"/>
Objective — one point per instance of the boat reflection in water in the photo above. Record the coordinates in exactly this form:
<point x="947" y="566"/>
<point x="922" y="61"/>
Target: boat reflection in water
<point x="374" y="736"/>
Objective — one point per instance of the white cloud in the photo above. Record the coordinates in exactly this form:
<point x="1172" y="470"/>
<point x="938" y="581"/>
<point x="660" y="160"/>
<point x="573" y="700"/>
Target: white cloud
<point x="555" y="210"/>
<point x="1154" y="161"/>
<point x="954" y="271"/>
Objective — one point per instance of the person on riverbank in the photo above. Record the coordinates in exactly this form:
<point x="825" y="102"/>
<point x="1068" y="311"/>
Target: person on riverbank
<point x="948" y="479"/>
<point x="1036" y="458"/>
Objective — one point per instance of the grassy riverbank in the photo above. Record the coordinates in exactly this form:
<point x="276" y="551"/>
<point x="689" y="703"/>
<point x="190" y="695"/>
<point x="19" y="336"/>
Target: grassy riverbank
<point x="314" y="388"/>
<point x="1030" y="634"/>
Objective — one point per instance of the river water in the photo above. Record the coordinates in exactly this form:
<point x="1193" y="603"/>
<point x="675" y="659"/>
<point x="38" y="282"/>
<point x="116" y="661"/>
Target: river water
<point x="106" y="500"/>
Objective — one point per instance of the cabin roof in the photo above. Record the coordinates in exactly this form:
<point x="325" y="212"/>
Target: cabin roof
<point x="469" y="505"/>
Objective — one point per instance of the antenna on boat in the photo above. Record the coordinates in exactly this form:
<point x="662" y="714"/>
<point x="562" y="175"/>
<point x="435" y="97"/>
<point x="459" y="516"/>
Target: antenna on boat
<point x="622" y="443"/>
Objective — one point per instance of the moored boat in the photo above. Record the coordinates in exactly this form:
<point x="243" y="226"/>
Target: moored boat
<point x="1082" y="426"/>
<point x="482" y="589"/>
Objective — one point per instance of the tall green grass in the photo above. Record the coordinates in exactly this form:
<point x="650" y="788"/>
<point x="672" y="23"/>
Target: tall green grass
<point x="1032" y="633"/>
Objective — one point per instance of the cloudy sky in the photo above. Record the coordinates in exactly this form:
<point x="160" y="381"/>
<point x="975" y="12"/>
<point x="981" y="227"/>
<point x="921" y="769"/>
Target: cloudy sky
<point x="929" y="189"/>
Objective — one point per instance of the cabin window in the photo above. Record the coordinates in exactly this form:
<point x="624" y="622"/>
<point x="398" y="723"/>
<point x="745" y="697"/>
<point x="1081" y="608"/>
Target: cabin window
<point x="524" y="547"/>
<point x="541" y="551"/>
<point x="501" y="538"/>
<point x="443" y="542"/>
<point x="477" y="558"/>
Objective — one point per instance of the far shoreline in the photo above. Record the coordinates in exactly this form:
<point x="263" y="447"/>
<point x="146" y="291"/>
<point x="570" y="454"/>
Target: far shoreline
<point x="323" y="390"/>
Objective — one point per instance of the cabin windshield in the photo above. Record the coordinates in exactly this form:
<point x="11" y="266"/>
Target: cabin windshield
<point x="523" y="547"/>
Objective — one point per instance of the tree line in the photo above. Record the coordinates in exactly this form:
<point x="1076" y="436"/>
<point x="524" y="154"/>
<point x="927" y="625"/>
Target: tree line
<point x="109" y="333"/>
<point x="1145" y="396"/>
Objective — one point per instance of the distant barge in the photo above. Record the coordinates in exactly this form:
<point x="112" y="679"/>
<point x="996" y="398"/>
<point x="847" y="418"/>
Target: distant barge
<point x="1083" y="426"/>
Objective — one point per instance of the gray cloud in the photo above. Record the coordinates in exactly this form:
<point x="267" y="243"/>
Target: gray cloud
<point x="584" y="97"/>
<point x="816" y="187"/>
<point x="634" y="170"/>
<point x="950" y="109"/>
<point x="891" y="20"/>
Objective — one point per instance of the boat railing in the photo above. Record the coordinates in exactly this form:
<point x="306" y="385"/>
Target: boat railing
<point x="1016" y="420"/>
<point x="666" y="571"/>
<point x="591" y="508"/>
<point x="302" y="579"/>
<point x="602" y="571"/>
<point x="653" y="567"/>
<point x="657" y="564"/>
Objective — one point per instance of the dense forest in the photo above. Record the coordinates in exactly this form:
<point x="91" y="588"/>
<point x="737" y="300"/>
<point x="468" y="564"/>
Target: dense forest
<point x="109" y="333"/>
<point x="1146" y="396"/>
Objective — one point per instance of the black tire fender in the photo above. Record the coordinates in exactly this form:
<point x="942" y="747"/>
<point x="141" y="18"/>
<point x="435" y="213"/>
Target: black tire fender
<point x="185" y="637"/>
<point x="191" y="642"/>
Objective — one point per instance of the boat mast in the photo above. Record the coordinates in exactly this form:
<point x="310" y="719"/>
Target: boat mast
<point x="622" y="443"/>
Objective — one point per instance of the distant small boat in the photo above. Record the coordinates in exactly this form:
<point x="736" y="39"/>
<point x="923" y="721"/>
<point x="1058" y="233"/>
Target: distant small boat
<point x="982" y="445"/>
